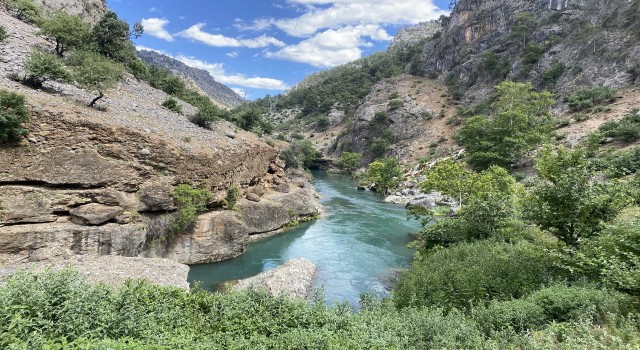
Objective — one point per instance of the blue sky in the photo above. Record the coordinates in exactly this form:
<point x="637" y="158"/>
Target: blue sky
<point x="266" y="46"/>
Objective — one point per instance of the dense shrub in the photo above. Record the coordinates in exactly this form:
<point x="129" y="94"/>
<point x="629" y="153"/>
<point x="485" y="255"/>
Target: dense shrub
<point x="395" y="104"/>
<point x="189" y="202"/>
<point x="13" y="114"/>
<point x="70" y="32"/>
<point x="587" y="98"/>
<point x="3" y="33"/>
<point x="299" y="154"/>
<point x="41" y="66"/>
<point x="24" y="10"/>
<point x="94" y="72"/>
<point x="558" y="303"/>
<point x="172" y="105"/>
<point x="627" y="129"/>
<point x="550" y="77"/>
<point x="613" y="257"/>
<point x="469" y="274"/>
<point x="349" y="162"/>
<point x="383" y="175"/>
<point x="233" y="195"/>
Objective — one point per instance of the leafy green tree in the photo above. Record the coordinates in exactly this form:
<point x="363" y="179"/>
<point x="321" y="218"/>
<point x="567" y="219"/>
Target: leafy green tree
<point x="111" y="36"/>
<point x="248" y="119"/>
<point x="13" y="114"/>
<point x="300" y="153"/>
<point x="70" y="32"/>
<point x="349" y="161"/>
<point x="521" y="122"/>
<point x="567" y="202"/>
<point x="41" y="66"/>
<point x="383" y="175"/>
<point x="233" y="195"/>
<point x="95" y="72"/>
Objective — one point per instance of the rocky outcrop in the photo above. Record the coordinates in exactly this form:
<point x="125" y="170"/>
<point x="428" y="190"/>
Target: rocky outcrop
<point x="415" y="33"/>
<point x="87" y="183"/>
<point x="217" y="91"/>
<point x="293" y="279"/>
<point x="114" y="270"/>
<point x="577" y="43"/>
<point x="90" y="10"/>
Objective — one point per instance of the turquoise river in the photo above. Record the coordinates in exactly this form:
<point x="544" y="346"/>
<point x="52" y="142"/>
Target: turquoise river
<point x="358" y="245"/>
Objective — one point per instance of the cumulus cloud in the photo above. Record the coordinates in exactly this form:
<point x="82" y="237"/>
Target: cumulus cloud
<point x="333" y="46"/>
<point x="196" y="33"/>
<point x="357" y="12"/>
<point x="217" y="71"/>
<point x="155" y="28"/>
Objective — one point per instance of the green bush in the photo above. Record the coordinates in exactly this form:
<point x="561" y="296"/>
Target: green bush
<point x="550" y="77"/>
<point x="349" y="162"/>
<point x="41" y="66"/>
<point x="92" y="71"/>
<point x="172" y="105"/>
<point x="299" y="154"/>
<point x="233" y="195"/>
<point x="3" y="33"/>
<point x="469" y="274"/>
<point x="613" y="257"/>
<point x="383" y="175"/>
<point x="13" y="114"/>
<point x="24" y="10"/>
<point x="70" y="32"/>
<point x="627" y="129"/>
<point x="634" y="72"/>
<point x="588" y="98"/>
<point x="395" y="104"/>
<point x="189" y="203"/>
<point x="558" y="303"/>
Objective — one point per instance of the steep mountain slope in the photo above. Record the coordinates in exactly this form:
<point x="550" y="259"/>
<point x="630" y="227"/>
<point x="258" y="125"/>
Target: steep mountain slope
<point x="86" y="182"/>
<point x="561" y="46"/>
<point x="217" y="91"/>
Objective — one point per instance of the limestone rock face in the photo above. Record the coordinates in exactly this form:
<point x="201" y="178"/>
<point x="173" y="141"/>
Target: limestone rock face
<point x="94" y="213"/>
<point x="293" y="279"/>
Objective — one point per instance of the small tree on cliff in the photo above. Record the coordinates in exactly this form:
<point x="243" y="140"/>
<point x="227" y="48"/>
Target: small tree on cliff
<point x="13" y="114"/>
<point x="95" y="72"/>
<point x="69" y="32"/>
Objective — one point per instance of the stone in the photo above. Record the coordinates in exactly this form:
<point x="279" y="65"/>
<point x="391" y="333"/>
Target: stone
<point x="95" y="213"/>
<point x="282" y="187"/>
<point x="293" y="279"/>
<point x="230" y="135"/>
<point x="157" y="196"/>
<point x="144" y="152"/>
<point x="395" y="199"/>
<point x="253" y="197"/>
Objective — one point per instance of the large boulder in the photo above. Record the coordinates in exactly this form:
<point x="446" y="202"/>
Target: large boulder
<point x="94" y="214"/>
<point x="293" y="279"/>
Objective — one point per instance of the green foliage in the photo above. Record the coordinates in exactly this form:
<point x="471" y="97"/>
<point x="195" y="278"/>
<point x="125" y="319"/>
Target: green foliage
<point x="111" y="38"/>
<point x="494" y="66"/>
<point x="613" y="257"/>
<point x="164" y="80"/>
<point x="383" y="175"/>
<point x="300" y="153"/>
<point x="24" y="10"/>
<point x="233" y="195"/>
<point x="92" y="71"/>
<point x="521" y="122"/>
<point x="13" y="114"/>
<point x="69" y="32"/>
<point x="251" y="119"/>
<point x="550" y="77"/>
<point x="3" y="33"/>
<point x="524" y="24"/>
<point x="395" y="104"/>
<point x="634" y="71"/>
<point x="564" y="199"/>
<point x="172" y="105"/>
<point x="323" y="122"/>
<point x="206" y="115"/>
<point x="349" y="162"/>
<point x="469" y="274"/>
<point x="41" y="66"/>
<point x="558" y="303"/>
<point x="627" y="129"/>
<point x="189" y="202"/>
<point x="587" y="98"/>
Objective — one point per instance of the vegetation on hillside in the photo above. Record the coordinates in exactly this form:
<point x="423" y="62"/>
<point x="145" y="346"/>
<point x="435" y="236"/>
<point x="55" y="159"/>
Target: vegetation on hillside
<point x="13" y="116"/>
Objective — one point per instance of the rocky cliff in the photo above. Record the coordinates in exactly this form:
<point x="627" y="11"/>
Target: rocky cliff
<point x="560" y="45"/>
<point x="90" y="10"/>
<point x="89" y="183"/>
<point x="217" y="91"/>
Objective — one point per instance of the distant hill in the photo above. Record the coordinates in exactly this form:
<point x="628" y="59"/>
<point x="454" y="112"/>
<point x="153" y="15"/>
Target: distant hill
<point x="217" y="91"/>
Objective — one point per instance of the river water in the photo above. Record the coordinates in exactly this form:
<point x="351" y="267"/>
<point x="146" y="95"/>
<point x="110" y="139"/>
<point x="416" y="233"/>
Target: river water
<point x="357" y="245"/>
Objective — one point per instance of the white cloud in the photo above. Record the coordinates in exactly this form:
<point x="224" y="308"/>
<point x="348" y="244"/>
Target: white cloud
<point x="232" y="54"/>
<point x="217" y="71"/>
<point x="155" y="27"/>
<point x="332" y="47"/>
<point x="196" y="33"/>
<point x="256" y="25"/>
<point x="155" y="10"/>
<point x="357" y="12"/>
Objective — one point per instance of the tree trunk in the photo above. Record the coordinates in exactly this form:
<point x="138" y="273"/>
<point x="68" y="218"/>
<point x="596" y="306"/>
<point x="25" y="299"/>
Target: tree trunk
<point x="59" y="48"/>
<point x="93" y="102"/>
